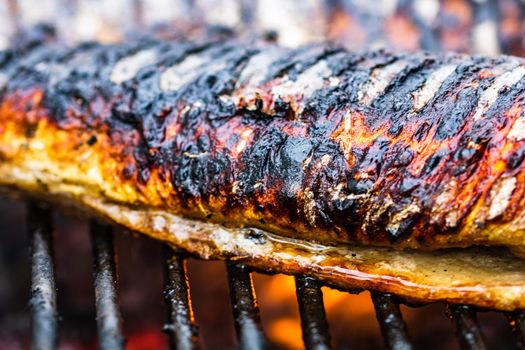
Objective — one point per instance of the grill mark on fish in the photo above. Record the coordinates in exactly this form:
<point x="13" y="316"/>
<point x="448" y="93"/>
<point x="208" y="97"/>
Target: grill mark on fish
<point x="379" y="81"/>
<point x="128" y="67"/>
<point x="490" y="95"/>
<point x="432" y="85"/>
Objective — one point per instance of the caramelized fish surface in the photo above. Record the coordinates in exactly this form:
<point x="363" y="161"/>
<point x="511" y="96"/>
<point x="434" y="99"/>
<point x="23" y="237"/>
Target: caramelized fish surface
<point x="315" y="145"/>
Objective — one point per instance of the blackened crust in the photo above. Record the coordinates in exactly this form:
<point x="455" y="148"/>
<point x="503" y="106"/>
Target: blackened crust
<point x="317" y="143"/>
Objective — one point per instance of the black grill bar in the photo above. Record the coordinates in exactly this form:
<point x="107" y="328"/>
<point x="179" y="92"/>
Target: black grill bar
<point x="245" y="308"/>
<point x="43" y="290"/>
<point x="517" y="322"/>
<point x="393" y="327"/>
<point x="467" y="328"/>
<point x="109" y="321"/>
<point x="181" y="327"/>
<point x="313" y="316"/>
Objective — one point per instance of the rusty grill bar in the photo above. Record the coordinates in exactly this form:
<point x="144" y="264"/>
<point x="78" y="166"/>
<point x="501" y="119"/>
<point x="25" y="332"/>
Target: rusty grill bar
<point x="180" y="326"/>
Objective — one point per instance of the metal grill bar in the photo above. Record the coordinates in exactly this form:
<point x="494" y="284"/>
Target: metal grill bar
<point x="245" y="308"/>
<point x="393" y="328"/>
<point x="313" y="316"/>
<point x="109" y="321"/>
<point x="467" y="328"/>
<point x="43" y="290"/>
<point x="181" y="327"/>
<point x="517" y="322"/>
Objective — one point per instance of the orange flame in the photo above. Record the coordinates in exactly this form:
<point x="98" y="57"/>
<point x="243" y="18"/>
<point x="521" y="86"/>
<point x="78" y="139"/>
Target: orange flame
<point x="280" y="313"/>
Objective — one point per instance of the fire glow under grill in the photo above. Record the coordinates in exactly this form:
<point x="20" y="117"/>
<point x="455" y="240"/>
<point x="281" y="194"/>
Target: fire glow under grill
<point x="181" y="327"/>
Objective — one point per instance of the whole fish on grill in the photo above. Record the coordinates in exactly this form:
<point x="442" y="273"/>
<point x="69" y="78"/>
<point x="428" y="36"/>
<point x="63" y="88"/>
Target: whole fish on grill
<point x="397" y="172"/>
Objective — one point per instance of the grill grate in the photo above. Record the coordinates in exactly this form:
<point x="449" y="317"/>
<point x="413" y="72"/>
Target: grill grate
<point x="181" y="328"/>
<point x="109" y="320"/>
<point x="244" y="307"/>
<point x="467" y="328"/>
<point x="313" y="317"/>
<point x="392" y="325"/>
<point x="43" y="290"/>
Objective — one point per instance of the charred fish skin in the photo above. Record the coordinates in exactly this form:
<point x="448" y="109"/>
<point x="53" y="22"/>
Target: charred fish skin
<point x="408" y="150"/>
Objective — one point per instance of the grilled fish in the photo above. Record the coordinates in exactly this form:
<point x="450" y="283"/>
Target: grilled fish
<point x="368" y="169"/>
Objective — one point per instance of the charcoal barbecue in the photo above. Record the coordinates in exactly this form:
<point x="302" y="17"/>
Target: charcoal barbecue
<point x="312" y="161"/>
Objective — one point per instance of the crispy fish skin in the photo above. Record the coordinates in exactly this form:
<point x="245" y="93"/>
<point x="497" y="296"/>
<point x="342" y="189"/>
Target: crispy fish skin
<point x="280" y="158"/>
<point x="403" y="150"/>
